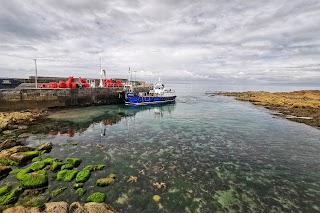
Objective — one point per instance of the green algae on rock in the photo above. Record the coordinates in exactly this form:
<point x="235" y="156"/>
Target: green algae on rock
<point x="67" y="166"/>
<point x="9" y="195"/>
<point x="74" y="161"/>
<point x="83" y="176"/>
<point x="106" y="181"/>
<point x="36" y="159"/>
<point x="8" y="162"/>
<point x="81" y="191"/>
<point x="97" y="197"/>
<point x="38" y="165"/>
<point x="31" y="180"/>
<point x="56" y="192"/>
<point x="56" y="165"/>
<point x="66" y="175"/>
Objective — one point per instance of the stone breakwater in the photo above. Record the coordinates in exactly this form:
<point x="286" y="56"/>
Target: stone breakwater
<point x="300" y="106"/>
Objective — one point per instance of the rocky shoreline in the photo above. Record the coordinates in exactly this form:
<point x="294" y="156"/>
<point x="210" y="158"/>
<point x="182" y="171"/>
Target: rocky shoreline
<point x="299" y="106"/>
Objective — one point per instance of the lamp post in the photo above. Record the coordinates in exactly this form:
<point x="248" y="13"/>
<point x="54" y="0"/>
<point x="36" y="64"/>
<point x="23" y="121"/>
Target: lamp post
<point x="36" y="77"/>
<point x="135" y="77"/>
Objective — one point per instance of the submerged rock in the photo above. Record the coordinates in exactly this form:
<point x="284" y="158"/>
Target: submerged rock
<point x="97" y="197"/>
<point x="30" y="179"/>
<point x="45" y="147"/>
<point x="67" y="175"/>
<point x="81" y="191"/>
<point x="83" y="176"/>
<point x="74" y="161"/>
<point x="106" y="181"/>
<point x="9" y="195"/>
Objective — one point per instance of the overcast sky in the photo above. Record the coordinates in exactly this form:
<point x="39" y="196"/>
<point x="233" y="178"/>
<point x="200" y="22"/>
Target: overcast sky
<point x="228" y="40"/>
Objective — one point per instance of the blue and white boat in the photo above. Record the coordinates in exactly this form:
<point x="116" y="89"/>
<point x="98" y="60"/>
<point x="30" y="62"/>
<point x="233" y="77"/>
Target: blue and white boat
<point x="159" y="94"/>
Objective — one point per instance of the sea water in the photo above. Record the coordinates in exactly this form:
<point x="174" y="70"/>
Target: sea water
<point x="212" y="154"/>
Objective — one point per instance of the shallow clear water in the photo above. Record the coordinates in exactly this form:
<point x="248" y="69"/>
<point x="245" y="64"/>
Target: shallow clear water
<point x="212" y="152"/>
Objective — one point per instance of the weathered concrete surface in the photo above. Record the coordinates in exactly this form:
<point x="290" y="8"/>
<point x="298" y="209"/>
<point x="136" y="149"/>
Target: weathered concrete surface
<point x="13" y="100"/>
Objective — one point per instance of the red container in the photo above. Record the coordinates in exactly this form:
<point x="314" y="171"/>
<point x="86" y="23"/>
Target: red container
<point x="62" y="84"/>
<point x="73" y="85"/>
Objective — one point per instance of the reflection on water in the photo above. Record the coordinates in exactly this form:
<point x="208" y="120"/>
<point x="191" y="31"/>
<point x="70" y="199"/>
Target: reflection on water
<point x="209" y="154"/>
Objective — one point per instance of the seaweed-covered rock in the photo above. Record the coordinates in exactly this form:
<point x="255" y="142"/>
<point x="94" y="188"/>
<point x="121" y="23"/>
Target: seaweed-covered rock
<point x="67" y="166"/>
<point x="36" y="159"/>
<point x="8" y="162"/>
<point x="83" y="176"/>
<point x="31" y="180"/>
<point x="22" y="157"/>
<point x="56" y="165"/>
<point x="38" y="165"/>
<point x="8" y="152"/>
<point x="81" y="191"/>
<point x="45" y="147"/>
<point x="106" y="181"/>
<point x="8" y="195"/>
<point x="66" y="175"/>
<point x="94" y="167"/>
<point x="97" y="197"/>
<point x="4" y="171"/>
<point x="56" y="192"/>
<point x="51" y="160"/>
<point x="78" y="185"/>
<point x="74" y="161"/>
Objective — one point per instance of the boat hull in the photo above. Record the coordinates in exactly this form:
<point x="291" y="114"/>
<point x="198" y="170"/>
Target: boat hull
<point x="133" y="99"/>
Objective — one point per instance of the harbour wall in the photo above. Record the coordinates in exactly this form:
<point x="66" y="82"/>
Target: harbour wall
<point x="22" y="99"/>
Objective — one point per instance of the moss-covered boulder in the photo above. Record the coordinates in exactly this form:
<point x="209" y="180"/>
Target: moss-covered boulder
<point x="30" y="179"/>
<point x="8" y="162"/>
<point x="56" y="165"/>
<point x="83" y="176"/>
<point x="51" y="160"/>
<point x="66" y="175"/>
<point x="23" y="157"/>
<point x="37" y="165"/>
<point x="8" y="195"/>
<point x="81" y="191"/>
<point x="45" y="147"/>
<point x="97" y="197"/>
<point x="74" y="161"/>
<point x="67" y="166"/>
<point x="36" y="159"/>
<point x="107" y="181"/>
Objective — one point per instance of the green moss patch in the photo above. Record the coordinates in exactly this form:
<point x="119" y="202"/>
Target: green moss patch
<point x="56" y="165"/>
<point x="94" y="167"/>
<point x="36" y="159"/>
<point x="8" y="162"/>
<point x="106" y="181"/>
<point x="32" y="180"/>
<point x="38" y="166"/>
<point x="97" y="197"/>
<point x="83" y="176"/>
<point x="51" y="160"/>
<point x="81" y="191"/>
<point x="67" y="175"/>
<point x="67" y="166"/>
<point x="8" y="196"/>
<point x="74" y="161"/>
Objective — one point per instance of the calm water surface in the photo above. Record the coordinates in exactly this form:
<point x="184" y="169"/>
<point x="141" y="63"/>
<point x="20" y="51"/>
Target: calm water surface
<point x="213" y="153"/>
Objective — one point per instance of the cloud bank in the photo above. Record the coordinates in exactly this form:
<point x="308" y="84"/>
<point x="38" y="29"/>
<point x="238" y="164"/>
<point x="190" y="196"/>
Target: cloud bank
<point x="236" y="40"/>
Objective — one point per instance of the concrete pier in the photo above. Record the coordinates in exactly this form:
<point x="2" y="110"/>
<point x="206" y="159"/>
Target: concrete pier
<point x="22" y="99"/>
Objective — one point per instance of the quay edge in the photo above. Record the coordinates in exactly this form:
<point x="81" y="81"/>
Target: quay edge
<point x="22" y="99"/>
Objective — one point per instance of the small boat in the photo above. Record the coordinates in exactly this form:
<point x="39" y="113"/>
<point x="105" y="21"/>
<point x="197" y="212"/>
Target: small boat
<point x="159" y="94"/>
